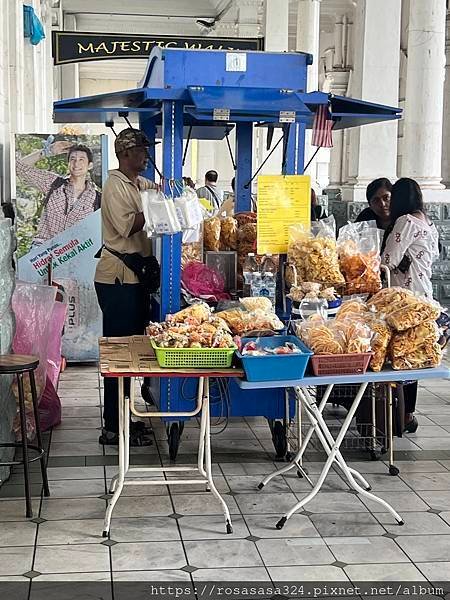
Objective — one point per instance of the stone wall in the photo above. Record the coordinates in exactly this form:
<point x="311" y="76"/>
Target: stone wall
<point x="7" y="400"/>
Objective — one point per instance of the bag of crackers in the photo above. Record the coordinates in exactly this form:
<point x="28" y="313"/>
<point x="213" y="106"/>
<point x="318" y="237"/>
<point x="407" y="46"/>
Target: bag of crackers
<point x="314" y="253"/>
<point x="359" y="257"/>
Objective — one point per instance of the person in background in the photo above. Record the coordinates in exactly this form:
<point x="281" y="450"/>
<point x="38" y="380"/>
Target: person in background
<point x="410" y="246"/>
<point x="188" y="182"/>
<point x="67" y="200"/>
<point x="210" y="193"/>
<point x="378" y="195"/>
<point x="317" y="211"/>
<point x="121" y="296"/>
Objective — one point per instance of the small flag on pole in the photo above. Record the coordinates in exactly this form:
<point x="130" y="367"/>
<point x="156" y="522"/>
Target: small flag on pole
<point x="322" y="135"/>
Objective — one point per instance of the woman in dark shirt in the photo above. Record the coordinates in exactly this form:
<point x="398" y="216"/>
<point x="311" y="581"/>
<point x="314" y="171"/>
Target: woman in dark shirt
<point x="378" y="194"/>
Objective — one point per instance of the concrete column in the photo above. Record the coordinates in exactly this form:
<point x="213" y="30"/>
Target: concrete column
<point x="16" y="65"/>
<point x="446" y="136"/>
<point x="307" y="40"/>
<point x="70" y="74"/>
<point x="376" y="42"/>
<point x="425" y="93"/>
<point x="276" y="33"/>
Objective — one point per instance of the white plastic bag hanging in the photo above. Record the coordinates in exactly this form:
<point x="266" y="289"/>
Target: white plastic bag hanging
<point x="188" y="209"/>
<point x="159" y="214"/>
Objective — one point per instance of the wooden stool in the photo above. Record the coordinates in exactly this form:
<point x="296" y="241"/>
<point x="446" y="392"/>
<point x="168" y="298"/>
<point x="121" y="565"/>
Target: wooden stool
<point x="18" y="364"/>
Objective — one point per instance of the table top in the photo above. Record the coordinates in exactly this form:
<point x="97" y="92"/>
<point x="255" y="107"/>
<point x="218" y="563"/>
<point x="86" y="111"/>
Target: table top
<point x="133" y="356"/>
<point x="384" y="376"/>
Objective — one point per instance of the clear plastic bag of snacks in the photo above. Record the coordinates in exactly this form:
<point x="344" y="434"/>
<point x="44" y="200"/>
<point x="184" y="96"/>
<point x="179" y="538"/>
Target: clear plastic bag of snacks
<point x="314" y="254"/>
<point x="382" y="335"/>
<point x="423" y="357"/>
<point x="359" y="257"/>
<point x="406" y="342"/>
<point x="412" y="311"/>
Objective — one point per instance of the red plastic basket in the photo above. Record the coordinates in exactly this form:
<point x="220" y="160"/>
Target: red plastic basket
<point x="340" y="364"/>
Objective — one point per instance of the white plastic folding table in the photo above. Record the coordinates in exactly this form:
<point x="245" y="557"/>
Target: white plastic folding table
<point x="146" y="366"/>
<point x="318" y="425"/>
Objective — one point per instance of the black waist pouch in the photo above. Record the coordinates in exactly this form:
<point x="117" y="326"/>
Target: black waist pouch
<point x="146" y="268"/>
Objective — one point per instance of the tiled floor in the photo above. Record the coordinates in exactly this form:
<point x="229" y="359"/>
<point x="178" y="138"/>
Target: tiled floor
<point x="177" y="534"/>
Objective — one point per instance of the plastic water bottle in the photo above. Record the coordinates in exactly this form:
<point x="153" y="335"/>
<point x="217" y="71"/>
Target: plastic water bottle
<point x="269" y="279"/>
<point x="250" y="268"/>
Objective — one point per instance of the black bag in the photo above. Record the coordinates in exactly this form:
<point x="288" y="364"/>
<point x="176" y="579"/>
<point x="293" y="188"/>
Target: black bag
<point x="146" y="268"/>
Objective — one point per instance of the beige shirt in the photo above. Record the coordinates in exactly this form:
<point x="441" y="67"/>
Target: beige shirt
<point x="121" y="200"/>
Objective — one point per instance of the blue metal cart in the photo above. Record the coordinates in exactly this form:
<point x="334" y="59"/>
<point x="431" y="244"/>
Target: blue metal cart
<point x="204" y="94"/>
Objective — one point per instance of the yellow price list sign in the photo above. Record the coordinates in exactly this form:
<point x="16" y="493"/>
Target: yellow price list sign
<point x="283" y="200"/>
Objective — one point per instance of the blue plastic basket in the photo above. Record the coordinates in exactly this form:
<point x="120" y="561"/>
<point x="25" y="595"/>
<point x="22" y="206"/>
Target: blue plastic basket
<point x="276" y="367"/>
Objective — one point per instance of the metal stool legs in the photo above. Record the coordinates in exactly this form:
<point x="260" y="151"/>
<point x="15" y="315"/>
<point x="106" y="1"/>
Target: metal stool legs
<point x="25" y="459"/>
<point x="38" y="434"/>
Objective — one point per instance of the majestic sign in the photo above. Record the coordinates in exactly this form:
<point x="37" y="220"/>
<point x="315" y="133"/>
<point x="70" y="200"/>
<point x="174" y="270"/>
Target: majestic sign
<point x="76" y="46"/>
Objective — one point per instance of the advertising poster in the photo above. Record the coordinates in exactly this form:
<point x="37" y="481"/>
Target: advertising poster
<point x="73" y="263"/>
<point x="283" y="200"/>
<point x="59" y="180"/>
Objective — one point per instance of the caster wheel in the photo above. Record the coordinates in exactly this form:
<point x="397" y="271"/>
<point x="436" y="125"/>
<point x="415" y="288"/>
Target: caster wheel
<point x="401" y="523"/>
<point x="383" y="450"/>
<point x="373" y="455"/>
<point x="229" y="527"/>
<point x="393" y="470"/>
<point x="105" y="534"/>
<point x="369" y="488"/>
<point x="146" y="394"/>
<point x="279" y="439"/>
<point x="260" y="486"/>
<point x="173" y="439"/>
<point x="281" y="523"/>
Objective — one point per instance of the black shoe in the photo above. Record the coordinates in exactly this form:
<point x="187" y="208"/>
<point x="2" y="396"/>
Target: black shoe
<point x="137" y="438"/>
<point x="411" y="426"/>
<point x="140" y="427"/>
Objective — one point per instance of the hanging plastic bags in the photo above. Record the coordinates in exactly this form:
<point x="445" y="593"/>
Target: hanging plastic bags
<point x="159" y="214"/>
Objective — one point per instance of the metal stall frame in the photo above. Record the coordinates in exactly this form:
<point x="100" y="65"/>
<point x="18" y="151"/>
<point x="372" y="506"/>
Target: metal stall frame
<point x="204" y="94"/>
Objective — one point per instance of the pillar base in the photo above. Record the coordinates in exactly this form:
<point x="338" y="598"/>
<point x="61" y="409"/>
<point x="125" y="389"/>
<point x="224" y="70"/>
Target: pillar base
<point x="441" y="195"/>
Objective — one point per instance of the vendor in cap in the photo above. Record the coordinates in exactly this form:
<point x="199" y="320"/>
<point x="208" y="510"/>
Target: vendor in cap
<point x="121" y="297"/>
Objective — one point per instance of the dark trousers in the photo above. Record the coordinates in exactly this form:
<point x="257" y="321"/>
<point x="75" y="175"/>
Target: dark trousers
<point x="125" y="309"/>
<point x="410" y="394"/>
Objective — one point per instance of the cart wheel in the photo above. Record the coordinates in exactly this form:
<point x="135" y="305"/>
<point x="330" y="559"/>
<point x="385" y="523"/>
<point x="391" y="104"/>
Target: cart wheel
<point x="279" y="439"/>
<point x="374" y="455"/>
<point x="383" y="450"/>
<point x="146" y="394"/>
<point x="173" y="439"/>
<point x="229" y="527"/>
<point x="393" y="470"/>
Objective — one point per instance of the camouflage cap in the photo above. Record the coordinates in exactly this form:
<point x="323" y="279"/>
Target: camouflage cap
<point x="130" y="138"/>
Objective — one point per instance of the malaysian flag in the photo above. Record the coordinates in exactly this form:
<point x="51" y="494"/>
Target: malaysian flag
<point x="322" y="128"/>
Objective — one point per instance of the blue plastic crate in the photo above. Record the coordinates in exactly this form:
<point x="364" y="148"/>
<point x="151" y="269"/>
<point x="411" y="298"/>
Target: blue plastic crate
<point x="276" y="367"/>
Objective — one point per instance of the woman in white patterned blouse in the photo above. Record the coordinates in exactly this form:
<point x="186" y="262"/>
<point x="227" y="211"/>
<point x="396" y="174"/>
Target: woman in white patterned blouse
<point x="410" y="247"/>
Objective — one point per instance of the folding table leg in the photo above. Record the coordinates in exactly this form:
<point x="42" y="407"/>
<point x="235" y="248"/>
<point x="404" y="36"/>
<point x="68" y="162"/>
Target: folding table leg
<point x="297" y="460"/>
<point x="208" y="465"/>
<point x="201" y="442"/>
<point x="327" y="441"/>
<point x="393" y="470"/>
<point x="320" y="426"/>
<point x="124" y="415"/>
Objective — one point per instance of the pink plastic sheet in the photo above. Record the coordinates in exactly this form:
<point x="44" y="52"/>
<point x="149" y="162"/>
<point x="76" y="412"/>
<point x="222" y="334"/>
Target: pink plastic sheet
<point x="203" y="282"/>
<point x="37" y="334"/>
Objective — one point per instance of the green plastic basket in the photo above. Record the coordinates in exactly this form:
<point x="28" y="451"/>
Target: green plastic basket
<point x="191" y="358"/>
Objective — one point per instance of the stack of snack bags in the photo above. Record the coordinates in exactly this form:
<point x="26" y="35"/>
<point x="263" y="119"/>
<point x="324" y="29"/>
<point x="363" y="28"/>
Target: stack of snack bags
<point x="415" y="333"/>
<point x="359" y="257"/>
<point x="192" y="327"/>
<point x="337" y="336"/>
<point x="252" y="315"/>
<point x="314" y="253"/>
